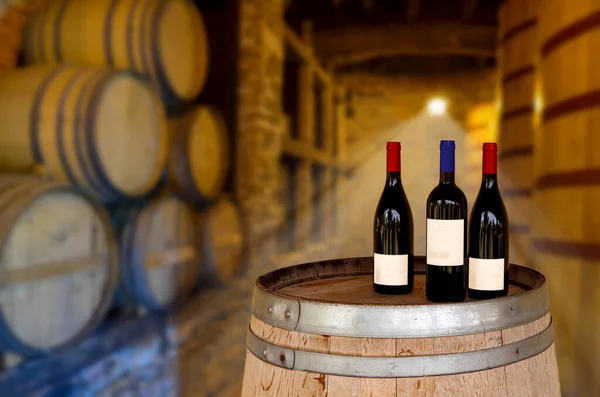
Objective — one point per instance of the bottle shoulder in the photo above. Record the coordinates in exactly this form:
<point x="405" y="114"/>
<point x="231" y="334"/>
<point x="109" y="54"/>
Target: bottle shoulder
<point x="395" y="205"/>
<point x="447" y="193"/>
<point x="489" y="204"/>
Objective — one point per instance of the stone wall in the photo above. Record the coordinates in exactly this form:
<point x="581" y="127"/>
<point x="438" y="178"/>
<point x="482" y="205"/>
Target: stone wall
<point x="260" y="130"/>
<point x="381" y="102"/>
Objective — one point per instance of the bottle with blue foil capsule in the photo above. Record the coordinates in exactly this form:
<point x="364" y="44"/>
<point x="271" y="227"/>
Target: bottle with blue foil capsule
<point x="446" y="234"/>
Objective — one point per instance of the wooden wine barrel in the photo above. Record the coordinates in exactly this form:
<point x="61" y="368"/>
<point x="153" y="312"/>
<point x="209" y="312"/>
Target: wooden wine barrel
<point x="58" y="266"/>
<point x="159" y="258"/>
<point x="565" y="235"/>
<point x="320" y="329"/>
<point x="517" y="56"/>
<point x="162" y="39"/>
<point x="102" y="131"/>
<point x="221" y="234"/>
<point x="199" y="155"/>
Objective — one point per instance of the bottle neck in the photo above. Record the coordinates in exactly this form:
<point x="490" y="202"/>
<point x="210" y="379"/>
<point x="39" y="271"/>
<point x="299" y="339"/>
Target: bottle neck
<point x="446" y="177"/>
<point x="447" y="166"/>
<point x="393" y="168"/>
<point x="393" y="179"/>
<point x="489" y="179"/>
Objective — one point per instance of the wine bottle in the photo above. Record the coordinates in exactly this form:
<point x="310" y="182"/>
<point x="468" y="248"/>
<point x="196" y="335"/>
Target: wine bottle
<point x="446" y="234"/>
<point x="393" y="255"/>
<point x="488" y="234"/>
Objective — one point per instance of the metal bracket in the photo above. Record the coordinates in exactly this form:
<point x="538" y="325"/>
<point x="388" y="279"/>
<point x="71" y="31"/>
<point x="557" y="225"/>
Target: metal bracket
<point x="400" y="367"/>
<point x="274" y="310"/>
<point x="415" y="321"/>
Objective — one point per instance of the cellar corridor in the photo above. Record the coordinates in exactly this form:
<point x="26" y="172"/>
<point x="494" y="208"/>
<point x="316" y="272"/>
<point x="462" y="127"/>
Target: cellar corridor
<point x="158" y="156"/>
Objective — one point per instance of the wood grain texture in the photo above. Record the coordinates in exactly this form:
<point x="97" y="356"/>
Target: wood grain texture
<point x="536" y="376"/>
<point x="353" y="289"/>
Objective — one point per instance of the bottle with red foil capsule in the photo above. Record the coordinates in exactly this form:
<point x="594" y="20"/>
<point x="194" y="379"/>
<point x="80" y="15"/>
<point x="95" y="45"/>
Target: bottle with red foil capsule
<point x="488" y="234"/>
<point x="393" y="251"/>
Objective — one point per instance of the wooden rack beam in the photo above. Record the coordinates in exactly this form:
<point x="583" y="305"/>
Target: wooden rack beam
<point x="305" y="151"/>
<point x="306" y="54"/>
<point x="341" y="46"/>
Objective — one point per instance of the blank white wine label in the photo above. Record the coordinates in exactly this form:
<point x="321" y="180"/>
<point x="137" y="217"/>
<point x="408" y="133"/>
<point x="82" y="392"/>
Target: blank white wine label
<point x="390" y="269"/>
<point x="486" y="274"/>
<point x="445" y="242"/>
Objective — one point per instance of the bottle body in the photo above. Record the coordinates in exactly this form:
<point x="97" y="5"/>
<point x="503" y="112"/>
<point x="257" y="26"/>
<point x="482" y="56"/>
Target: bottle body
<point x="488" y="235"/>
<point x="446" y="234"/>
<point x="393" y="239"/>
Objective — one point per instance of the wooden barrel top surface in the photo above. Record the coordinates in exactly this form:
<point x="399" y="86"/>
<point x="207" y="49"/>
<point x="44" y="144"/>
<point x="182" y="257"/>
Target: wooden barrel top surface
<point x="130" y="134"/>
<point x="359" y="289"/>
<point x="169" y="250"/>
<point x="183" y="48"/>
<point x="199" y="155"/>
<point x="325" y="297"/>
<point x="160" y="258"/>
<point x="57" y="265"/>
<point x="207" y="150"/>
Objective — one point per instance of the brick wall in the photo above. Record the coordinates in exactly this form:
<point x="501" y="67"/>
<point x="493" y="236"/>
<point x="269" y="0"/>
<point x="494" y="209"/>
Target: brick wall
<point x="260" y="131"/>
<point x="382" y="102"/>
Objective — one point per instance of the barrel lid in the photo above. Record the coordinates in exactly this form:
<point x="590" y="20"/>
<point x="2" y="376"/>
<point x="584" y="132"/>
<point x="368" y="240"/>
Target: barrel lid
<point x="336" y="298"/>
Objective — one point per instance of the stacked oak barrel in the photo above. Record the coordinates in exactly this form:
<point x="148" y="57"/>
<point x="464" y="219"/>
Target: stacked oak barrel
<point x="550" y="132"/>
<point x="111" y="191"/>
<point x="516" y="60"/>
<point x="566" y="236"/>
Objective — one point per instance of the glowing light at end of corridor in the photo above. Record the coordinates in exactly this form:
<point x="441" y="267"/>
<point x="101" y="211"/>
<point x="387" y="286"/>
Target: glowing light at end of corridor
<point x="437" y="106"/>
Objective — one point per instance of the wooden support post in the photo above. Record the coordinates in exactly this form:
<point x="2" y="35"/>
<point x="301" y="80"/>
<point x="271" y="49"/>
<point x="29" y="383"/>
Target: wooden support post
<point x="306" y="123"/>
<point x="341" y="148"/>
<point x="327" y="129"/>
<point x="340" y="125"/>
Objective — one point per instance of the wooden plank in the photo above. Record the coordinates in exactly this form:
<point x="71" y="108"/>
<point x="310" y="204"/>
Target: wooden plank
<point x="305" y="151"/>
<point x="175" y="256"/>
<point x="275" y="381"/>
<point x="340" y="126"/>
<point x="348" y="45"/>
<point x="341" y="386"/>
<point x="43" y="271"/>
<point x="306" y="53"/>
